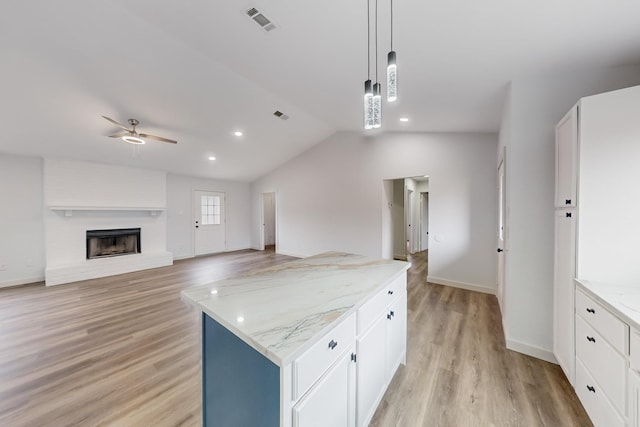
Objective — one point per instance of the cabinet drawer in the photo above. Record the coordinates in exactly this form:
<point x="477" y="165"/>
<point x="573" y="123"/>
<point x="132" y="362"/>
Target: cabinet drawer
<point x="607" y="366"/>
<point x="376" y="306"/>
<point x="595" y="402"/>
<point x="606" y="324"/>
<point x="634" y="349"/>
<point x="314" y="362"/>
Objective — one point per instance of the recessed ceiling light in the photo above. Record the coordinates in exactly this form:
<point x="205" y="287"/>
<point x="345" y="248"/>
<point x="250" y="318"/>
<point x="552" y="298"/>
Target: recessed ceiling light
<point x="212" y="157"/>
<point x="214" y="291"/>
<point x="404" y="119"/>
<point x="240" y="319"/>
<point x="237" y="133"/>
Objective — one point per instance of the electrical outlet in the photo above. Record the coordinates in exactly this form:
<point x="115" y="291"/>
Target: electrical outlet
<point x="3" y="267"/>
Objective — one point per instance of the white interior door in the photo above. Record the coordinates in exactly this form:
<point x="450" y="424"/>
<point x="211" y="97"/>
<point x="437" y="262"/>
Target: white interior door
<point x="424" y="225"/>
<point x="409" y="219"/>
<point x="501" y="231"/>
<point x="209" y="222"/>
<point x="269" y="218"/>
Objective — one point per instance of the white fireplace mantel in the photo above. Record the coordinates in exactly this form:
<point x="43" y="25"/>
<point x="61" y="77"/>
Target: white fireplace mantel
<point x="68" y="210"/>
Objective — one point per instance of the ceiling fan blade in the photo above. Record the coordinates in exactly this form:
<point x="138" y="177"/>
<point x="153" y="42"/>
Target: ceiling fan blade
<point x="121" y="134"/>
<point x="157" y="138"/>
<point x="117" y="124"/>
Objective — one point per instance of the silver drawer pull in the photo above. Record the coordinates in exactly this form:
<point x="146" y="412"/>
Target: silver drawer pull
<point x="591" y="310"/>
<point x="333" y="344"/>
<point x="591" y="389"/>
<point x="592" y="339"/>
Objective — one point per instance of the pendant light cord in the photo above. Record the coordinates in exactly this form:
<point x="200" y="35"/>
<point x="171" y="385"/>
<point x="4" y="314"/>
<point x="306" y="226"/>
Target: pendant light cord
<point x="391" y="24"/>
<point x="368" y="41"/>
<point x="376" y="41"/>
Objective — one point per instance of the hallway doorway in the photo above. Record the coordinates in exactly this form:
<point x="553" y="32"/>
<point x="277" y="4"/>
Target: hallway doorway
<point x="268" y="238"/>
<point x="405" y="217"/>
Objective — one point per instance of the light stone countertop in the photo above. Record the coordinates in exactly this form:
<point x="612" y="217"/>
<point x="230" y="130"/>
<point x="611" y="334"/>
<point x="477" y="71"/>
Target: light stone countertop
<point x="287" y="307"/>
<point x="621" y="300"/>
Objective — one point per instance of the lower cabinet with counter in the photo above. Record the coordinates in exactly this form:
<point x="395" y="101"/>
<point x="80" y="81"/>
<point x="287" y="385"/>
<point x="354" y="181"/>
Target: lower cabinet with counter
<point x="309" y="343"/>
<point x="608" y="353"/>
<point x="601" y="362"/>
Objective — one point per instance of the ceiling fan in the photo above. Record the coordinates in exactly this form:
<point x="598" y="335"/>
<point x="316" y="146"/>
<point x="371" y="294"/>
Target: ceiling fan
<point x="131" y="136"/>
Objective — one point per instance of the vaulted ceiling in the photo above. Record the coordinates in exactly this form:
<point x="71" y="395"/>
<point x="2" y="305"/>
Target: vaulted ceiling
<point x="197" y="71"/>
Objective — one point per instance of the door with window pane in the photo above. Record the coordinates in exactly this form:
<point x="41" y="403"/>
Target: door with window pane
<point x="209" y="222"/>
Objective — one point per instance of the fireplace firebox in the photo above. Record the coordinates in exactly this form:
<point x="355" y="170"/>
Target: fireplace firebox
<point x="109" y="243"/>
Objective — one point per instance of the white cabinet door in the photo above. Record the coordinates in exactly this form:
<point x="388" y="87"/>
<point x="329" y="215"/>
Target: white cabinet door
<point x="331" y="402"/>
<point x="396" y="334"/>
<point x="567" y="159"/>
<point x="564" y="291"/>
<point x="634" y="398"/>
<point x="371" y="370"/>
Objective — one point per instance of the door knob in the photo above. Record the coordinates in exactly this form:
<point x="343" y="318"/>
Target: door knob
<point x="500" y="250"/>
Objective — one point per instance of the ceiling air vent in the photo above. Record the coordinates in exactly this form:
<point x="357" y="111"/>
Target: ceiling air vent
<point x="264" y="22"/>
<point x="281" y="115"/>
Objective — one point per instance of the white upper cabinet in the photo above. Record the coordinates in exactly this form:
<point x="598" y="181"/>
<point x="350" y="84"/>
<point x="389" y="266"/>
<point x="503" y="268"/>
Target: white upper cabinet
<point x="609" y="195"/>
<point x="567" y="160"/>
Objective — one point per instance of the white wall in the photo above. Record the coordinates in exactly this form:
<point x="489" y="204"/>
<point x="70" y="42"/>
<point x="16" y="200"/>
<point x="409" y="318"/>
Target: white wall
<point x="330" y="198"/>
<point x="535" y="105"/>
<point x="180" y="217"/>
<point x="21" y="223"/>
<point x="74" y="183"/>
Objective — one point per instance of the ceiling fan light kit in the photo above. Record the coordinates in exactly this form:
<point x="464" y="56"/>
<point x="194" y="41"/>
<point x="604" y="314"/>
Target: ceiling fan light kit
<point x="133" y="140"/>
<point x="131" y="136"/>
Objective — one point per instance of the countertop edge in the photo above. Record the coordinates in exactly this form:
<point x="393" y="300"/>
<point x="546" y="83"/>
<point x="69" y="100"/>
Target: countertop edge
<point x="311" y="341"/>
<point x="282" y="362"/>
<point x="586" y="287"/>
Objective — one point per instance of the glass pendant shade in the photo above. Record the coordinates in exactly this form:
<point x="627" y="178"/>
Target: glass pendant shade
<point x="377" y="106"/>
<point x="392" y="77"/>
<point x="368" y="105"/>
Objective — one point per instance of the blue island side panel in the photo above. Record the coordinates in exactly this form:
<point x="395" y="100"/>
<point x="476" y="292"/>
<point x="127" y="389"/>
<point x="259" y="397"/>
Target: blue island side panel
<point x="240" y="387"/>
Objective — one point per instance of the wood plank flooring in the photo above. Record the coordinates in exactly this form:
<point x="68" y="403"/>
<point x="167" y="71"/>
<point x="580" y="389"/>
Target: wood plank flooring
<point x="125" y="351"/>
<point x="459" y="372"/>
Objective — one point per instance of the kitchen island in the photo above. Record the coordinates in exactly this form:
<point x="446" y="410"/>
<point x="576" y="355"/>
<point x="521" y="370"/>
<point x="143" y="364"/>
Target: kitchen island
<point x="291" y="344"/>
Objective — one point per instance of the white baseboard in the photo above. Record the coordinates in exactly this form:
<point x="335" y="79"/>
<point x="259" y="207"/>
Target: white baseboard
<point x="531" y="350"/>
<point x="22" y="281"/>
<point x="462" y="285"/>
<point x="291" y="254"/>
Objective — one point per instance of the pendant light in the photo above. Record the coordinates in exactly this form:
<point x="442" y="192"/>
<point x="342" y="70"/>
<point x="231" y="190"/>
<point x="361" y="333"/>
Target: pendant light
<point x="377" y="106"/>
<point x="368" y="105"/>
<point x="392" y="71"/>
<point x="368" y="89"/>
<point x="377" y="100"/>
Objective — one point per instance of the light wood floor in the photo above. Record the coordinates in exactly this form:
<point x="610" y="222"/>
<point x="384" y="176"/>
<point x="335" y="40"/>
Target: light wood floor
<point x="125" y="351"/>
